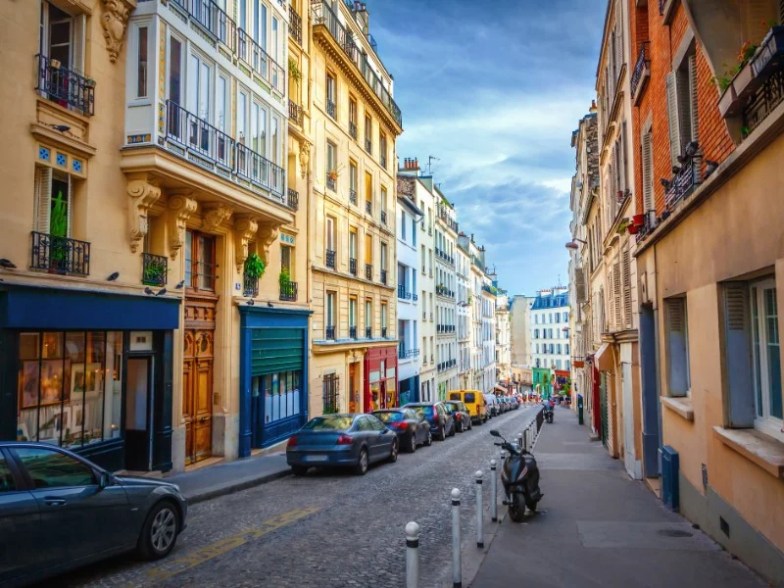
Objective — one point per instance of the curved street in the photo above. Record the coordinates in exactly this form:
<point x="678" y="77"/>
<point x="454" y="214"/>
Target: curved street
<point x="328" y="529"/>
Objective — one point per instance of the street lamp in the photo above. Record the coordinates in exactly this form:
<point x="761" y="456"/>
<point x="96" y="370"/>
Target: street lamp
<point x="572" y="245"/>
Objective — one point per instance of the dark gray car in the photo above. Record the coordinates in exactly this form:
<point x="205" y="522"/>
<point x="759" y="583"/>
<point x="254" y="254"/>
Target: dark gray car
<point x="61" y="511"/>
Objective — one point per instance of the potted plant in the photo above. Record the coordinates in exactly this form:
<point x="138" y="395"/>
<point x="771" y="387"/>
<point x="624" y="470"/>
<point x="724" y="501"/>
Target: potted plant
<point x="294" y="71"/>
<point x="254" y="267"/>
<point x="54" y="63"/>
<point x="284" y="279"/>
<point x="58" y="235"/>
<point x="622" y="225"/>
<point x="154" y="272"/>
<point x="332" y="175"/>
<point x="89" y="83"/>
<point x="638" y="220"/>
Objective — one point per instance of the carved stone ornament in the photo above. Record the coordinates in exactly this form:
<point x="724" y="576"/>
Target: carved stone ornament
<point x="266" y="236"/>
<point x="143" y="194"/>
<point x="304" y="158"/>
<point x="115" y="20"/>
<point x="245" y="228"/>
<point x="214" y="217"/>
<point x="180" y="210"/>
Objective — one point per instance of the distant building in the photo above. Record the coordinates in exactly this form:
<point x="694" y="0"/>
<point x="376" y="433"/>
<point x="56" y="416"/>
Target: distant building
<point x="520" y="337"/>
<point x="550" y="338"/>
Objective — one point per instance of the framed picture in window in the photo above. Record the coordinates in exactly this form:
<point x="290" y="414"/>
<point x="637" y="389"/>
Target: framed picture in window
<point x="29" y="384"/>
<point x="86" y="381"/>
<point x="52" y="391"/>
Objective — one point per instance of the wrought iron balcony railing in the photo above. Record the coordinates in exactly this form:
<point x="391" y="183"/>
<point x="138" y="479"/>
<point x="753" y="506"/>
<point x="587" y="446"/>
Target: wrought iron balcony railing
<point x="765" y="100"/>
<point x="293" y="199"/>
<point x="383" y="332"/>
<point x="384" y="216"/>
<point x="288" y="291"/>
<point x="352" y="129"/>
<point x="212" y="19"/>
<point x="330" y="332"/>
<point x="250" y="286"/>
<point x="369" y="206"/>
<point x="686" y="179"/>
<point x="383" y="160"/>
<point x="352" y="196"/>
<point x="332" y="182"/>
<point x="383" y="276"/>
<point x="401" y="291"/>
<point x="641" y="71"/>
<point x="60" y="255"/>
<point x="368" y="332"/>
<point x="295" y="25"/>
<point x="64" y="86"/>
<point x="352" y="266"/>
<point x="154" y="269"/>
<point x="369" y="146"/>
<point x="332" y="109"/>
<point x="331" y="258"/>
<point x="369" y="271"/>
<point x="295" y="113"/>
<point x="259" y="60"/>
<point x="352" y="332"/>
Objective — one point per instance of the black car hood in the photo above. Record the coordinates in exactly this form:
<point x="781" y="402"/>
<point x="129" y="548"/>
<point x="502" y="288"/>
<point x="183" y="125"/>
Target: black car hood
<point x="140" y="481"/>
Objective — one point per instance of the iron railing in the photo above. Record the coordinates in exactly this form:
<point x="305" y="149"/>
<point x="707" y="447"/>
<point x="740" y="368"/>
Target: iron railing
<point x="330" y="332"/>
<point x="352" y="265"/>
<point x="332" y="109"/>
<point x="383" y="332"/>
<point x="368" y="332"/>
<point x="60" y="255"/>
<point x="352" y="332"/>
<point x="683" y="183"/>
<point x="352" y="196"/>
<point x="369" y="146"/>
<point x="369" y="206"/>
<point x="765" y="100"/>
<point x="250" y="286"/>
<point x="369" y="271"/>
<point x="352" y="129"/>
<point x="295" y="25"/>
<point x="332" y="182"/>
<point x="295" y="113"/>
<point x="383" y="276"/>
<point x="259" y="60"/>
<point x="641" y="67"/>
<point x="383" y="160"/>
<point x="293" y="199"/>
<point x="154" y="269"/>
<point x="331" y="258"/>
<point x="401" y="292"/>
<point x="288" y="291"/>
<point x="384" y="216"/>
<point x="64" y="86"/>
<point x="259" y="170"/>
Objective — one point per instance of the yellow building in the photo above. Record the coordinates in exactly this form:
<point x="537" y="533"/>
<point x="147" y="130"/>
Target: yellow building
<point x="351" y="224"/>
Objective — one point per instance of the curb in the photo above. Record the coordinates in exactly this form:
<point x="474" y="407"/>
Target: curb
<point x="224" y="489"/>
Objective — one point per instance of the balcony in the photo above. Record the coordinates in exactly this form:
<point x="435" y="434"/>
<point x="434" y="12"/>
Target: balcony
<point x="154" y="269"/>
<point x="65" y="87"/>
<point x="296" y="114"/>
<point x="369" y="206"/>
<point x="330" y="333"/>
<point x="194" y="139"/>
<point x="324" y="16"/>
<point x="211" y="19"/>
<point x="332" y="181"/>
<point x="295" y="25"/>
<point x="641" y="73"/>
<point x="369" y="271"/>
<point x="383" y="160"/>
<point x="352" y="332"/>
<point x="368" y="332"/>
<point x="332" y="109"/>
<point x="250" y="286"/>
<point x="383" y="332"/>
<point x="331" y="258"/>
<point x="352" y="266"/>
<point x="293" y="199"/>
<point x="384" y="276"/>
<point x="384" y="216"/>
<point x="60" y="255"/>
<point x="352" y="129"/>
<point x="401" y="292"/>
<point x="352" y="196"/>
<point x="686" y="179"/>
<point x="258" y="60"/>
<point x="369" y="146"/>
<point x="766" y="99"/>
<point x="288" y="291"/>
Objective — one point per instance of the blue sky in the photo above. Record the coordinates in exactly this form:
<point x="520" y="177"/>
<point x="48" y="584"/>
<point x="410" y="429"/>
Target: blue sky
<point x="494" y="89"/>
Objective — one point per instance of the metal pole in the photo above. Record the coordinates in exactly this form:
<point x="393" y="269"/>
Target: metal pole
<point x="520" y="441"/>
<point x="412" y="555"/>
<point x="480" y="540"/>
<point x="457" y="567"/>
<point x="493" y="491"/>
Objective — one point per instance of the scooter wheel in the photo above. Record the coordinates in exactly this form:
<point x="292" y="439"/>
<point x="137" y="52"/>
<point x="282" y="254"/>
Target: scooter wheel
<point x="531" y="504"/>
<point x="516" y="509"/>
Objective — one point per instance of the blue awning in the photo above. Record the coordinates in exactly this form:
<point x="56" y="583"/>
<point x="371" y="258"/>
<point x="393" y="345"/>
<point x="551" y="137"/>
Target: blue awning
<point x="58" y="309"/>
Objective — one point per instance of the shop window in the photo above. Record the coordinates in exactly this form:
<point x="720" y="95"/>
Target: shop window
<point x="331" y="393"/>
<point x="69" y="387"/>
<point x="281" y="392"/>
<point x="200" y="261"/>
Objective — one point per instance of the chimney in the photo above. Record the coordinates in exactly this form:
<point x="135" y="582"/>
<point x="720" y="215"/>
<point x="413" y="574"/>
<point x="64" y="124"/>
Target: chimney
<point x="410" y="163"/>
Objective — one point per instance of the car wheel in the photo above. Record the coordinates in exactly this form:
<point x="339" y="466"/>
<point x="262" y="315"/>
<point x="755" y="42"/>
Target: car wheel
<point x="393" y="452"/>
<point x="412" y="442"/>
<point x="299" y="470"/>
<point x="159" y="533"/>
<point x="362" y="465"/>
<point x="441" y="433"/>
<point x="429" y="439"/>
<point x="452" y="430"/>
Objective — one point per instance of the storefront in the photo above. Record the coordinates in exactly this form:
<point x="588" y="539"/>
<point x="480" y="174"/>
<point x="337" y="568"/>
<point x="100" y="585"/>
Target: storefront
<point x="381" y="378"/>
<point x="273" y="375"/>
<point x="89" y="371"/>
<point x="409" y="390"/>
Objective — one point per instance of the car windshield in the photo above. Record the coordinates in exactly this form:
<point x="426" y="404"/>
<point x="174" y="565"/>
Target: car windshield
<point x="390" y="417"/>
<point x="469" y="397"/>
<point x="454" y="395"/>
<point x="332" y="422"/>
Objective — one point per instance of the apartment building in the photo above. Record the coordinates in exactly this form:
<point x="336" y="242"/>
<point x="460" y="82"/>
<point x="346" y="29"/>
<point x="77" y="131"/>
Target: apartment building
<point x="488" y="302"/>
<point x="520" y="338"/>
<point x="352" y="220"/>
<point x="463" y="299"/>
<point x="503" y="347"/>
<point x="551" y="356"/>
<point x="445" y="239"/>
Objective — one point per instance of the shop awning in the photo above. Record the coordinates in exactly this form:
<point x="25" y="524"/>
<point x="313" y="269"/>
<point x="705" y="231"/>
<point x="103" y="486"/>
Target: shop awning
<point x="603" y="358"/>
<point x="501" y="389"/>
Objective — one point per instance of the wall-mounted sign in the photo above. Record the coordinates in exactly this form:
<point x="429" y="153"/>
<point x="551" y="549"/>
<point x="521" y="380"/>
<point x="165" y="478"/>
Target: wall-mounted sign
<point x="140" y="341"/>
<point x="289" y="239"/>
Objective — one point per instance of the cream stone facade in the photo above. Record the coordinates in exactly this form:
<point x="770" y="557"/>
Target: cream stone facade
<point x="352" y="256"/>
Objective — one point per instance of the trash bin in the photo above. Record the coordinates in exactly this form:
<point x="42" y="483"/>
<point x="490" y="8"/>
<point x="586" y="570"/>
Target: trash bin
<point x="580" y="408"/>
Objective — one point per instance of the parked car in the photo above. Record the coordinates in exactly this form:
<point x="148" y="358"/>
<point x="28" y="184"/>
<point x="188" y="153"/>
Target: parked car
<point x="59" y="511"/>
<point x="460" y="414"/>
<point x="474" y="401"/>
<point x="341" y="440"/>
<point x="442" y="425"/>
<point x="411" y="429"/>
<point x="492" y="405"/>
<point x="504" y="403"/>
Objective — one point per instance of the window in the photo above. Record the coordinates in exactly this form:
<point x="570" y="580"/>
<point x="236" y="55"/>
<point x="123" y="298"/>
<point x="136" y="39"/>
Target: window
<point x="383" y="256"/>
<point x="48" y="468"/>
<point x="647" y="171"/>
<point x="331" y="310"/>
<point x="7" y="483"/>
<point x="352" y="249"/>
<point x="199" y="261"/>
<point x="384" y="205"/>
<point x="54" y="204"/>
<point x="141" y="62"/>
<point x="175" y="75"/>
<point x="368" y="134"/>
<point x="199" y="89"/>
<point x="368" y="317"/>
<point x="66" y="387"/>
<point x="352" y="117"/>
<point x="286" y="255"/>
<point x="352" y="317"/>
<point x="677" y="345"/>
<point x="331" y="239"/>
<point x="681" y="85"/>
<point x="332" y="165"/>
<point x="331" y="390"/>
<point x="368" y="193"/>
<point x="353" y="178"/>
<point x="281" y="393"/>
<point x="403" y="225"/>
<point x="382" y="150"/>
<point x="413" y="231"/>
<point x="767" y="360"/>
<point x="331" y="96"/>
<point x="384" y="318"/>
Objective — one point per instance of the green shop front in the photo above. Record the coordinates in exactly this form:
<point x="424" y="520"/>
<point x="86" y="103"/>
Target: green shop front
<point x="273" y="375"/>
<point x="90" y="372"/>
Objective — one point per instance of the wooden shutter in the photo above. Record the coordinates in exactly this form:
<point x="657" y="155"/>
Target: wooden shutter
<point x="647" y="171"/>
<point x="673" y="118"/>
<point x="43" y="198"/>
<point x="617" y="295"/>
<point x="579" y="284"/>
<point x="677" y="346"/>
<point x="627" y="289"/>
<point x="737" y="354"/>
<point x="694" y="119"/>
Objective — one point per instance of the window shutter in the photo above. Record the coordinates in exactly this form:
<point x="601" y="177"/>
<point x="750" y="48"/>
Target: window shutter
<point x="694" y="131"/>
<point x="627" y="289"/>
<point x="78" y="43"/>
<point x="673" y="118"/>
<point x="737" y="354"/>
<point x="617" y="294"/>
<point x="677" y="346"/>
<point x="43" y="198"/>
<point x="647" y="172"/>
<point x="579" y="283"/>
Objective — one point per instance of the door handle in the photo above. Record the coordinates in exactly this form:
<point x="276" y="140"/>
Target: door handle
<point x="54" y="501"/>
<point x="204" y="419"/>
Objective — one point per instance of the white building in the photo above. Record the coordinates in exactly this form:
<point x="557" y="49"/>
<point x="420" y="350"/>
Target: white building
<point x="446" y="291"/>
<point x="488" y="326"/>
<point x="520" y="337"/>
<point x="503" y="347"/>
<point x="463" y="276"/>
<point x="550" y="336"/>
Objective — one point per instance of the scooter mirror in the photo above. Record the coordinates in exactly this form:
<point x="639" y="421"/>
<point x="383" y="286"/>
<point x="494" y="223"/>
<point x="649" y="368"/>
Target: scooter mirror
<point x="495" y="433"/>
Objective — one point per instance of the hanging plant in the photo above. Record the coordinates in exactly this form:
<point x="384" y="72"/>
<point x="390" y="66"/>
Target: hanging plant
<point x="254" y="266"/>
<point x="294" y="71"/>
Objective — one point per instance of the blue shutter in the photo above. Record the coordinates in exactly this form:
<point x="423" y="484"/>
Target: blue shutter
<point x="677" y="346"/>
<point x="737" y="355"/>
<point x="276" y="350"/>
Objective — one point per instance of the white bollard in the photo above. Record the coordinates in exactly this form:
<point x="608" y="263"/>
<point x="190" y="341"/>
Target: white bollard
<point x="520" y="441"/>
<point x="493" y="492"/>
<point x="480" y="540"/>
<point x="412" y="555"/>
<point x="457" y="567"/>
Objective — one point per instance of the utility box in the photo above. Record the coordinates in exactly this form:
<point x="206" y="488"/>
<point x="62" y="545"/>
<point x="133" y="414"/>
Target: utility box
<point x="580" y="408"/>
<point x="670" y="466"/>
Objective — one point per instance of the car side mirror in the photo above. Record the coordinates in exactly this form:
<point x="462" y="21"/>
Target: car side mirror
<point x="495" y="433"/>
<point x="104" y="480"/>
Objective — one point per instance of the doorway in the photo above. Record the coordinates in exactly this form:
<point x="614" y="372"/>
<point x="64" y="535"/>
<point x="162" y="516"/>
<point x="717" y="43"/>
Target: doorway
<point x="138" y="413"/>
<point x="355" y="403"/>
<point x="197" y="394"/>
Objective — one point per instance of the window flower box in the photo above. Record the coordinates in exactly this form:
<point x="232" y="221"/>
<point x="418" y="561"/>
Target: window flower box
<point x="770" y="54"/>
<point x="739" y="89"/>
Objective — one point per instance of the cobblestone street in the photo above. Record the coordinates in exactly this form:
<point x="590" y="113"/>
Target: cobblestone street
<point x="328" y="529"/>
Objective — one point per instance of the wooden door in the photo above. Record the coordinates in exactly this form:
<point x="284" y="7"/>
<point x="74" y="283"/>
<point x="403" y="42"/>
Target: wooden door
<point x="197" y="378"/>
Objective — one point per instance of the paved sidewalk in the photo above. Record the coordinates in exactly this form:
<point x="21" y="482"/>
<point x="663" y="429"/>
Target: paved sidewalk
<point x="230" y="476"/>
<point x="598" y="528"/>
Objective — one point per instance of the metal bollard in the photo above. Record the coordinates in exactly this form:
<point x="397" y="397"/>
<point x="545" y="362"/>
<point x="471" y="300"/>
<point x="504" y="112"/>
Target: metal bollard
<point x="457" y="567"/>
<point x="493" y="492"/>
<point x="480" y="539"/>
<point x="412" y="555"/>
<point x="520" y="441"/>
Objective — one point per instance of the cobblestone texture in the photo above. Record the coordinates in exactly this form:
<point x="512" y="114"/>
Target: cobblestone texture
<point x="264" y="536"/>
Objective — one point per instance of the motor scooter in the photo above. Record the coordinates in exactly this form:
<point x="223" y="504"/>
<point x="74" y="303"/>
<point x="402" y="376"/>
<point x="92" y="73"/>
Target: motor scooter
<point x="520" y="477"/>
<point x="549" y="412"/>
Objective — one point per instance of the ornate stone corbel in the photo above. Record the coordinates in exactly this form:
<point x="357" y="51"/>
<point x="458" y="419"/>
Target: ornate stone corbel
<point x="115" y="20"/>
<point x="265" y="237"/>
<point x="143" y="194"/>
<point x="304" y="158"/>
<point x="180" y="210"/>
<point x="214" y="217"/>
<point x="245" y="228"/>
